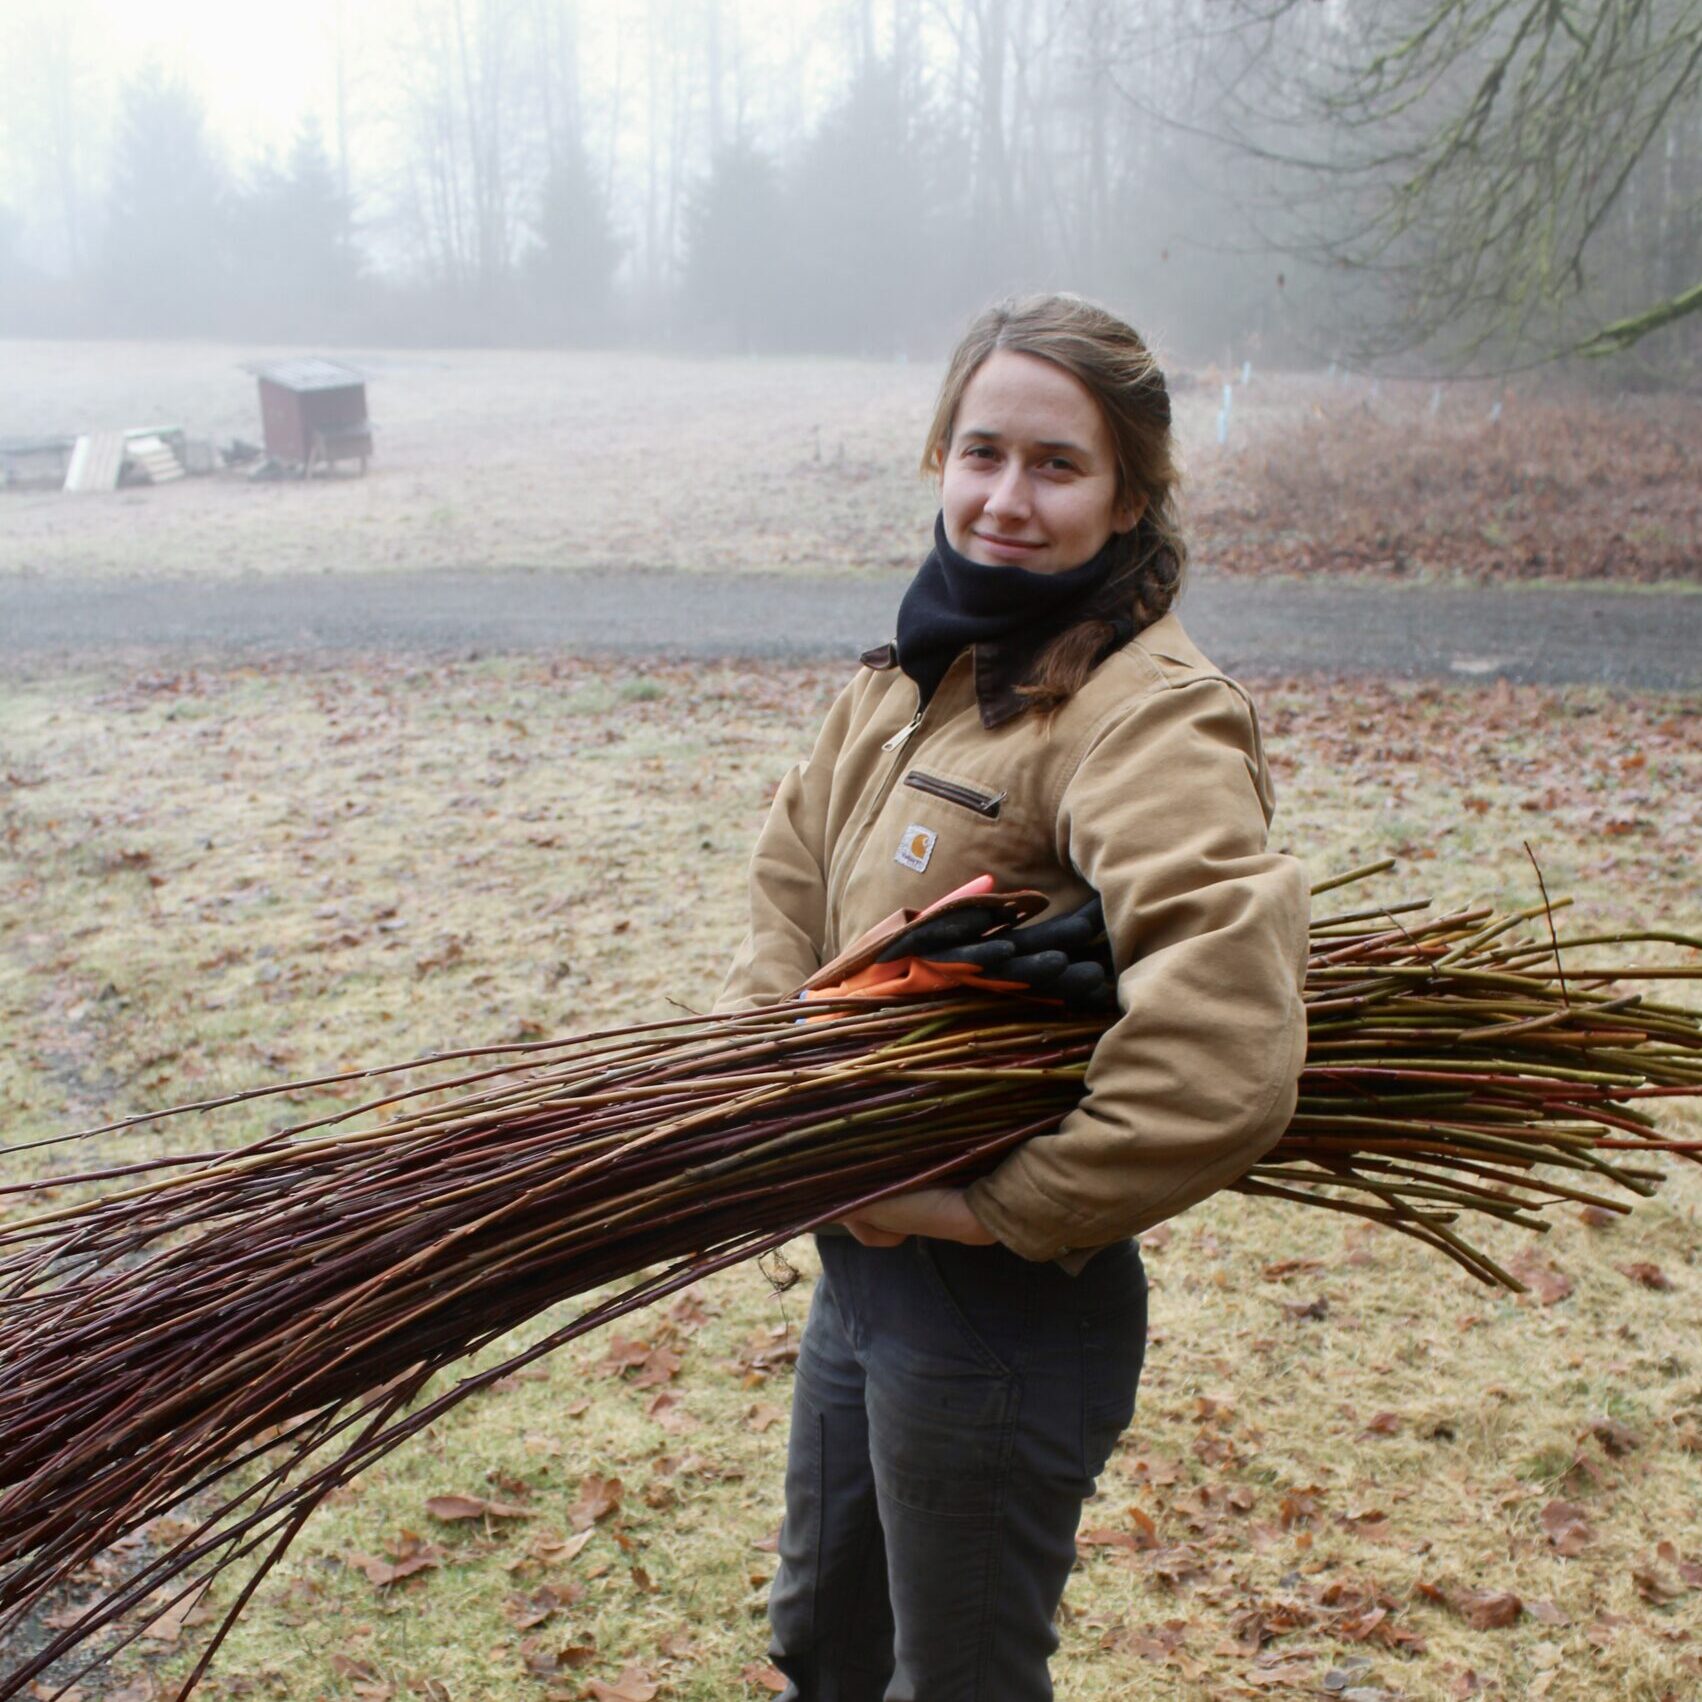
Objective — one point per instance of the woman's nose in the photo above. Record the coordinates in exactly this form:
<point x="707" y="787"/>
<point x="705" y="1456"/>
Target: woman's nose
<point x="1009" y="497"/>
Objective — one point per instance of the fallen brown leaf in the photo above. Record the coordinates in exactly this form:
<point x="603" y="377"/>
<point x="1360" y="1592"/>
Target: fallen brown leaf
<point x="63" y="1618"/>
<point x="598" y="1498"/>
<point x="354" y="1669"/>
<point x="660" y="1365"/>
<point x="1284" y="1268"/>
<point x="1161" y="1474"/>
<point x="1100" y="1537"/>
<point x="170" y="1624"/>
<point x="383" y="1573"/>
<point x="1688" y="1570"/>
<point x="1655" y="1587"/>
<point x="1566" y="1527"/>
<point x="1615" y="1437"/>
<point x="539" y="1657"/>
<point x="1299" y="1506"/>
<point x="690" y="1312"/>
<point x="511" y="1484"/>
<point x="525" y="1613"/>
<point x="1294" y="1672"/>
<point x="1371" y="1523"/>
<point x="1650" y="1276"/>
<point x="678" y="1646"/>
<point x="1547" y="1282"/>
<point x="623" y="1355"/>
<point x="633" y="1685"/>
<point x="1150" y="1642"/>
<point x="558" y="1550"/>
<point x="666" y="1408"/>
<point x="1488" y="1610"/>
<point x="452" y="1507"/>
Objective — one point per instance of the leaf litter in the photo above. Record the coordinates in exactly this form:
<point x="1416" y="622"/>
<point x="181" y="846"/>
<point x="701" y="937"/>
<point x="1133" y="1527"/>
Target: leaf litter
<point x="1238" y="1509"/>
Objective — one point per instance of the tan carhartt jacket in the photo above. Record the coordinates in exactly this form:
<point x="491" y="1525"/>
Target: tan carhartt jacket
<point x="1150" y="788"/>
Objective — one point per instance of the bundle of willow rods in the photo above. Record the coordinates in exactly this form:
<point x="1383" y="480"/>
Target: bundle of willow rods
<point x="230" y="1334"/>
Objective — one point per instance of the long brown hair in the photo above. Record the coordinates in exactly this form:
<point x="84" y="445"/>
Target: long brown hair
<point x="1119" y="371"/>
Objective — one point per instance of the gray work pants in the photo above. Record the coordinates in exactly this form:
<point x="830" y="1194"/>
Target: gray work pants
<point x="952" y="1408"/>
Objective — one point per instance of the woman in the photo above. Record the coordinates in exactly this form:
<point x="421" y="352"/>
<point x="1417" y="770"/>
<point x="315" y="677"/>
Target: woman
<point x="971" y="1354"/>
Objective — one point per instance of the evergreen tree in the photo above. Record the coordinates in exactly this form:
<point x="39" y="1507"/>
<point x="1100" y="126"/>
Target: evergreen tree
<point x="163" y="262"/>
<point x="883" y="241"/>
<point x="296" y="270"/>
<point x="738" y="279"/>
<point x="573" y="264"/>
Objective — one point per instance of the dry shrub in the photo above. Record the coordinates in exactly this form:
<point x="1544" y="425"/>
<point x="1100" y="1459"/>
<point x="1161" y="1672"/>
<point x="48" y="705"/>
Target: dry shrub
<point x="1574" y="488"/>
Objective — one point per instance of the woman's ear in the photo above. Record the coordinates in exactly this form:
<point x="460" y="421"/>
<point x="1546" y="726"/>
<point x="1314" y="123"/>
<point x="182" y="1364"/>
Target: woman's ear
<point x="1127" y="515"/>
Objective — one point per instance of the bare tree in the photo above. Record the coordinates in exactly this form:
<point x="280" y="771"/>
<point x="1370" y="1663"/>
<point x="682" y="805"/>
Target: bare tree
<point x="473" y="138"/>
<point x="46" y="122"/>
<point x="1519" y="178"/>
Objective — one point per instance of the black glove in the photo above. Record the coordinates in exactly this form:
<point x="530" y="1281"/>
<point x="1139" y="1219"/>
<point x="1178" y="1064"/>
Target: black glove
<point x="939" y="937"/>
<point x="1064" y="957"/>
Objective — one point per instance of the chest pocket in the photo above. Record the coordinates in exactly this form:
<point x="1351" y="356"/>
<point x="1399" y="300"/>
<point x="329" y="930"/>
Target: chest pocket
<point x="975" y="798"/>
<point x="937" y="828"/>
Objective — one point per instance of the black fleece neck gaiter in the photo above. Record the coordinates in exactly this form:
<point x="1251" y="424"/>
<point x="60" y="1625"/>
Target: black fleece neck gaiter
<point x="953" y="602"/>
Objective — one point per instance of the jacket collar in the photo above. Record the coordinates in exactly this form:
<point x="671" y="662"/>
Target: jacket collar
<point x="1003" y="666"/>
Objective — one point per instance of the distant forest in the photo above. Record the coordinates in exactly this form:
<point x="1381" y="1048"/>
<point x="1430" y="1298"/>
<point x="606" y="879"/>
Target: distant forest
<point x="1250" y="177"/>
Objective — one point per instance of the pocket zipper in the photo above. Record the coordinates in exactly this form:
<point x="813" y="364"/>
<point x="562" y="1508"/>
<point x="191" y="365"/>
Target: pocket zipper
<point x="983" y="803"/>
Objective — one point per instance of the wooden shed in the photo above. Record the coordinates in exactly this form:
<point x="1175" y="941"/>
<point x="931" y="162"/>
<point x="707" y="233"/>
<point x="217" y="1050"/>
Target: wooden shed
<point x="313" y="412"/>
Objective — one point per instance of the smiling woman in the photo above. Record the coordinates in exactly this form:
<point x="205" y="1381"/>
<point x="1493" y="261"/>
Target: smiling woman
<point x="1030" y="476"/>
<point x="972" y="1353"/>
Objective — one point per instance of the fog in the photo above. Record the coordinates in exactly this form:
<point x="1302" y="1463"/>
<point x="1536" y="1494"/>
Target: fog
<point x="846" y="176"/>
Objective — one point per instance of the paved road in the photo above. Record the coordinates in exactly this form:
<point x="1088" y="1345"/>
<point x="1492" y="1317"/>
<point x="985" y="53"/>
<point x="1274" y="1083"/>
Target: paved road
<point x="1635" y="640"/>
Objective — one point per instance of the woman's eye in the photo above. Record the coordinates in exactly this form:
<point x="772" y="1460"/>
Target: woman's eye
<point x="1058" y="464"/>
<point x="981" y="451"/>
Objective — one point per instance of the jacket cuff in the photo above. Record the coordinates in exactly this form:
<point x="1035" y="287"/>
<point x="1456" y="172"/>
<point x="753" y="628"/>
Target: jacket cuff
<point x="1022" y="1237"/>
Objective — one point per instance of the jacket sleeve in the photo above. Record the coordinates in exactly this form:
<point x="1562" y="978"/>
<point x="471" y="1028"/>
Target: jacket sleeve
<point x="787" y="878"/>
<point x="1164" y="816"/>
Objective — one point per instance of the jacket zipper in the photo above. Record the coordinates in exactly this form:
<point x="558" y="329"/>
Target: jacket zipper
<point x="983" y="803"/>
<point x="903" y="733"/>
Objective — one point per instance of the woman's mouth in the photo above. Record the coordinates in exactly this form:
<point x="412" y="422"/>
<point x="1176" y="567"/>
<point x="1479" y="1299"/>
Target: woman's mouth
<point x="1011" y="546"/>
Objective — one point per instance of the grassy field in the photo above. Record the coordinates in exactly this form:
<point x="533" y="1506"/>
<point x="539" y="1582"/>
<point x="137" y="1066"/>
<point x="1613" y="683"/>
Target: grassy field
<point x="567" y="459"/>
<point x="214" y="875"/>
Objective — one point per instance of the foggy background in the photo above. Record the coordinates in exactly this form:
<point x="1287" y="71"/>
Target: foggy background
<point x="1287" y="178"/>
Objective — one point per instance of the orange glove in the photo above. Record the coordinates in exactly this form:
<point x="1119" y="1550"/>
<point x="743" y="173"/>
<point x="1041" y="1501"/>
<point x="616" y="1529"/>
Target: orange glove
<point x="876" y="966"/>
<point x="913" y="977"/>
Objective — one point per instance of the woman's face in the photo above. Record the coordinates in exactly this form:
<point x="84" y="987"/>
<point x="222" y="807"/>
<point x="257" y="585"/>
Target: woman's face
<point x="1029" y="478"/>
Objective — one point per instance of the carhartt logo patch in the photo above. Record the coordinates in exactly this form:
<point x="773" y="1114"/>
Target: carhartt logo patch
<point x="916" y="847"/>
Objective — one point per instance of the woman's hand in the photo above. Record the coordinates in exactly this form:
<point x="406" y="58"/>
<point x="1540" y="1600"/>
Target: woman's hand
<point x="942" y="1213"/>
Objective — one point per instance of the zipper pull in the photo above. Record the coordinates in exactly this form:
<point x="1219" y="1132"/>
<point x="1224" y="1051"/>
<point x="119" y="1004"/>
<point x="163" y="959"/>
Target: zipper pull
<point x="903" y="733"/>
